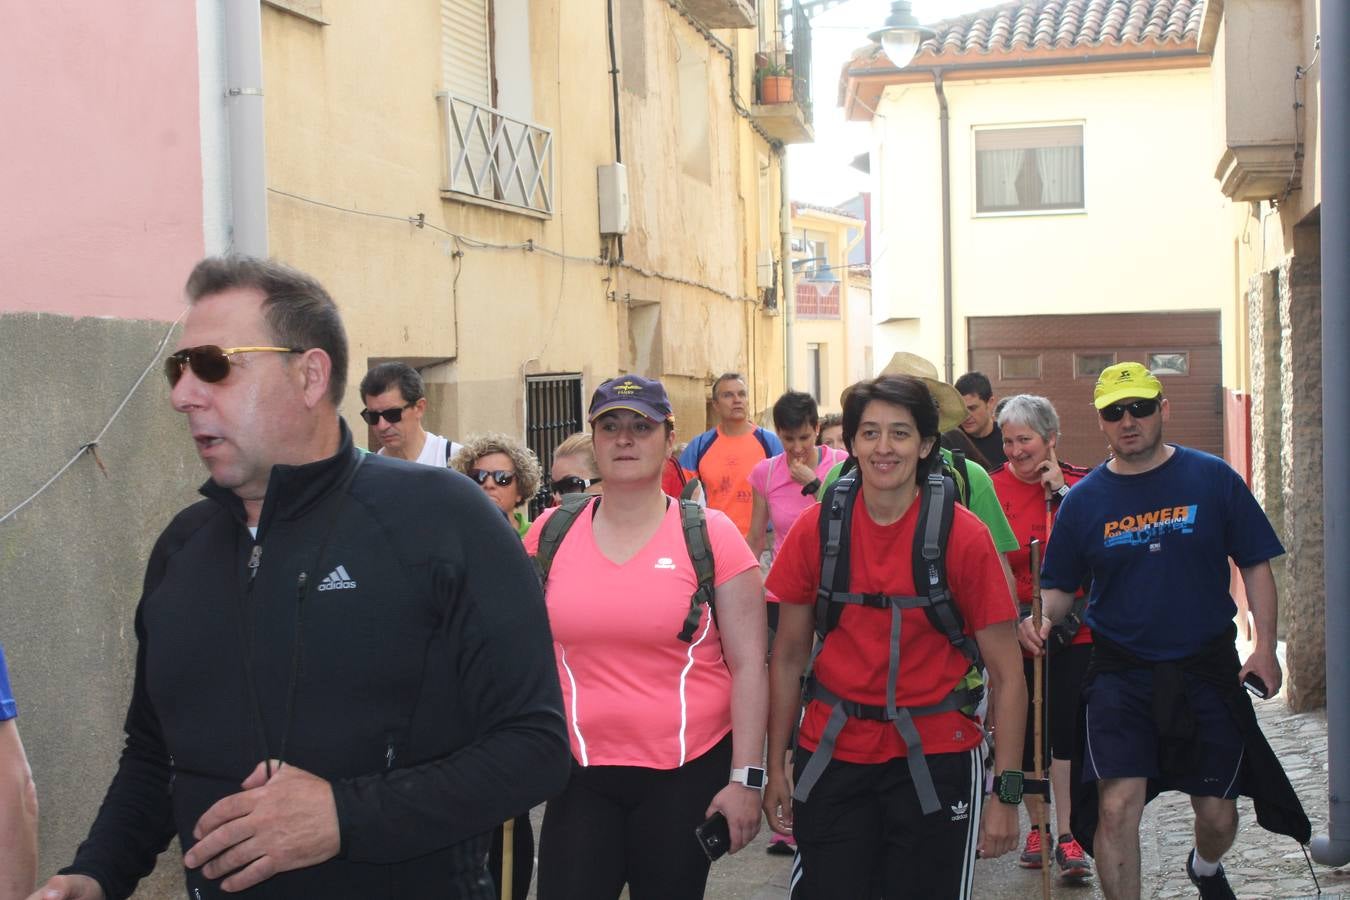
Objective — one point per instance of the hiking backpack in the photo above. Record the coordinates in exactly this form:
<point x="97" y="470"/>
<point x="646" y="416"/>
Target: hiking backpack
<point x="693" y="524"/>
<point x="932" y="594"/>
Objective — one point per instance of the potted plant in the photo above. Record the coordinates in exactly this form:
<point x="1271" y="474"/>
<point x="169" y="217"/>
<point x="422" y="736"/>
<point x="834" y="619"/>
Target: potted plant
<point x="775" y="83"/>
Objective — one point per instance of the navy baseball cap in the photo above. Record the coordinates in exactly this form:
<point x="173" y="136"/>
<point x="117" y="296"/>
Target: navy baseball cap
<point x="644" y="396"/>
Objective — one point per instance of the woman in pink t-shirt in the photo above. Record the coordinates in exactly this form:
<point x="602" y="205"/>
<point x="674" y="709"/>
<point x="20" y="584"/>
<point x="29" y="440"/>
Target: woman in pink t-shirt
<point x="665" y="732"/>
<point x="786" y="484"/>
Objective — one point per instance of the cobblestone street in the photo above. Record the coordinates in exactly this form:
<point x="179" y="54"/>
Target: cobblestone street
<point x="1261" y="866"/>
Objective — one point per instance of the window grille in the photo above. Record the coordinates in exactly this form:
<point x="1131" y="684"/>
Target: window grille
<point x="552" y="414"/>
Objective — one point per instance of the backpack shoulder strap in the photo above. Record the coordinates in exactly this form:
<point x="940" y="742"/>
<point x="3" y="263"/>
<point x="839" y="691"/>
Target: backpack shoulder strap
<point x="931" y="536"/>
<point x="694" y="524"/>
<point x="556" y="528"/>
<point x="690" y="488"/>
<point x="836" y="515"/>
<point x="961" y="474"/>
<point x="760" y="435"/>
<point x="701" y="445"/>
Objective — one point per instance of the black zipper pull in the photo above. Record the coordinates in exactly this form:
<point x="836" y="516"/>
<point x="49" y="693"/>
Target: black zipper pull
<point x="389" y="757"/>
<point x="254" y="560"/>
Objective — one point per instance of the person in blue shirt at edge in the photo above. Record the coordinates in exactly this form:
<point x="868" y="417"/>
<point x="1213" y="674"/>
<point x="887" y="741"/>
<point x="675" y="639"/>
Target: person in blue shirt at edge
<point x="1163" y="706"/>
<point x="18" y="801"/>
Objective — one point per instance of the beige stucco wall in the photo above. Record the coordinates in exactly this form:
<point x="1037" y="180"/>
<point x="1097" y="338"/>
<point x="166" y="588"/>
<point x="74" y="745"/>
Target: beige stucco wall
<point x="352" y="121"/>
<point x="1145" y="242"/>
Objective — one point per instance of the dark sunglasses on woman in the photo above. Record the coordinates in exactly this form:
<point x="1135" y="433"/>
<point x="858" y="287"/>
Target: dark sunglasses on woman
<point x="500" y="476"/>
<point x="573" y="484"/>
<point x="1139" y="409"/>
<point x="393" y="415"/>
<point x="209" y="362"/>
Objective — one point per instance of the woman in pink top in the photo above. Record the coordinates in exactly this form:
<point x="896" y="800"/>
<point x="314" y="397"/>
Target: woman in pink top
<point x="786" y="484"/>
<point x="665" y="732"/>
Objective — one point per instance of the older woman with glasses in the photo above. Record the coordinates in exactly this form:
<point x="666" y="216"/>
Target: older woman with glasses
<point x="505" y="469"/>
<point x="573" y="470"/>
<point x="1030" y="486"/>
<point x="665" y="700"/>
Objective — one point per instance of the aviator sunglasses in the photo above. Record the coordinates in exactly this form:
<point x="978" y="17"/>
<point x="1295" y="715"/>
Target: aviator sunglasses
<point x="393" y="415"/>
<point x="500" y="476"/>
<point x="573" y="484"/>
<point x="209" y="362"/>
<point x="1139" y="409"/>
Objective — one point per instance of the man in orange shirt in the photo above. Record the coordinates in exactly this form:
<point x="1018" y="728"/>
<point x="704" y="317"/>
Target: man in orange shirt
<point x="722" y="457"/>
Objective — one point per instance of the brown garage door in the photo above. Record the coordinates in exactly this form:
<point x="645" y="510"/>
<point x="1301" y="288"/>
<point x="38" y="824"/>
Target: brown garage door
<point x="1059" y="357"/>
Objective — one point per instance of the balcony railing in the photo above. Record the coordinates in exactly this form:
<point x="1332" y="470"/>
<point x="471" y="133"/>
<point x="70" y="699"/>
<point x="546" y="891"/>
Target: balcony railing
<point x="496" y="158"/>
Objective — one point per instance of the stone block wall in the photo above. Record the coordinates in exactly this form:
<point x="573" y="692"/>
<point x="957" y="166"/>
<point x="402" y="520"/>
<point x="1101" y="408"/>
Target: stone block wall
<point x="1302" y="603"/>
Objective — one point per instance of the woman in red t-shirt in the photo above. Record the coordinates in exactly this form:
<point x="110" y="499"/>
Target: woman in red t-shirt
<point x="1030" y="486"/>
<point x="861" y="829"/>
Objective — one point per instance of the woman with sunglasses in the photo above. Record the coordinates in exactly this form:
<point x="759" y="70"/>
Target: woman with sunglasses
<point x="1030" y="486"/>
<point x="505" y="469"/>
<point x="665" y="732"/>
<point x="509" y="474"/>
<point x="573" y="470"/>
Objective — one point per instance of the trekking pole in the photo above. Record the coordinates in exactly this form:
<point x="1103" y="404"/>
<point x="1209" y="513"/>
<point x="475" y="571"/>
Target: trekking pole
<point x="508" y="852"/>
<point x="1038" y="665"/>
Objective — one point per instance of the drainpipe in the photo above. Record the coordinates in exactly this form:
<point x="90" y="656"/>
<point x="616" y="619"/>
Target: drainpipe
<point x="943" y="128"/>
<point x="1333" y="848"/>
<point x="785" y="257"/>
<point x="244" y="118"/>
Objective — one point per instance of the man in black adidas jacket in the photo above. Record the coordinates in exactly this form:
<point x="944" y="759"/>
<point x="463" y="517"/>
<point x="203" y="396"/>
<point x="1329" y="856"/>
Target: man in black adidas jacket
<point x="345" y="676"/>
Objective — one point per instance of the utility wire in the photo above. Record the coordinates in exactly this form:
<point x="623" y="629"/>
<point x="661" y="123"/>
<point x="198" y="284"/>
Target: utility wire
<point x="91" y="446"/>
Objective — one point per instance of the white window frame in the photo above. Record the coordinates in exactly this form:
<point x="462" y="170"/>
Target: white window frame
<point x="1024" y="126"/>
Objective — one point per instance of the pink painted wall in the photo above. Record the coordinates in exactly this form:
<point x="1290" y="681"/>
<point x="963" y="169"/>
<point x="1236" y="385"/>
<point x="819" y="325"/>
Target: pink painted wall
<point x="100" y="157"/>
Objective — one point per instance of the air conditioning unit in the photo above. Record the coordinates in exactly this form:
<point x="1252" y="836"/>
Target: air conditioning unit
<point x="764" y="269"/>
<point x="612" y="189"/>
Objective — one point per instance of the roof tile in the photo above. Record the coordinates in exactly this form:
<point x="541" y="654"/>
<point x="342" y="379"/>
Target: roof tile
<point x="1060" y="24"/>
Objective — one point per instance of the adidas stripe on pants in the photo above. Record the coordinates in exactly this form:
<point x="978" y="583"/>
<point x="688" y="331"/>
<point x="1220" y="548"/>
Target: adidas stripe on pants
<point x="862" y="833"/>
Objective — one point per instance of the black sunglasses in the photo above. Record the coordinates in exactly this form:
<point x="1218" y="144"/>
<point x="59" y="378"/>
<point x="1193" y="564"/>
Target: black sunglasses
<point x="393" y="415"/>
<point x="500" y="476"/>
<point x="1139" y="409"/>
<point x="573" y="484"/>
<point x="209" y="362"/>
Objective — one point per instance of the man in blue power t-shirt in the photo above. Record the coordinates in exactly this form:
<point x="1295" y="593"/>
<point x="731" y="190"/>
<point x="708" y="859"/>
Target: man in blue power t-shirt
<point x="1163" y="707"/>
<point x="18" y="801"/>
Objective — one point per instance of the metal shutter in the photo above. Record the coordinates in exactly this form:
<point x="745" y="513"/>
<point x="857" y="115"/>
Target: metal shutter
<point x="466" y="49"/>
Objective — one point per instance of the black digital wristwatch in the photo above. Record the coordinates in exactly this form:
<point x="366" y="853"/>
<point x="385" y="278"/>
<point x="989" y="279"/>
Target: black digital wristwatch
<point x="1009" y="786"/>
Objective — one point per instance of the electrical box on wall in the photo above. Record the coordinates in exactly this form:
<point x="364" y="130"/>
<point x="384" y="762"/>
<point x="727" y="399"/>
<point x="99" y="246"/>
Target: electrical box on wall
<point x="764" y="269"/>
<point x="613" y="193"/>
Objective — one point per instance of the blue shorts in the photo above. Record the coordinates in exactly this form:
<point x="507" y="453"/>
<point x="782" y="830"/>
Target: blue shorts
<point x="1121" y="740"/>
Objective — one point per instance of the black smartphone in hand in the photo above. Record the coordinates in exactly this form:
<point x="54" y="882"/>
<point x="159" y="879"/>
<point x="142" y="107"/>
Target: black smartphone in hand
<point x="1255" y="686"/>
<point x="714" y="836"/>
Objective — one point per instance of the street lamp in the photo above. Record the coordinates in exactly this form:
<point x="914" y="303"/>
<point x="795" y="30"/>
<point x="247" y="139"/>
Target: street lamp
<point x="902" y="35"/>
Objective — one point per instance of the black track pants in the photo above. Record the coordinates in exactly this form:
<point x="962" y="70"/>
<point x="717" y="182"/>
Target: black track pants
<point x="617" y="825"/>
<point x="863" y="835"/>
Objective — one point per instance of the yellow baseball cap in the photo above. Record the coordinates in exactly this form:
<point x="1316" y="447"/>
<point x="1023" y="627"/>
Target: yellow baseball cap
<point x="1125" y="380"/>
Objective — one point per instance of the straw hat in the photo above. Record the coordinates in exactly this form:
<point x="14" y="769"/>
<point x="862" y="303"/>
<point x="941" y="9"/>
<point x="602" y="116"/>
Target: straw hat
<point x="951" y="407"/>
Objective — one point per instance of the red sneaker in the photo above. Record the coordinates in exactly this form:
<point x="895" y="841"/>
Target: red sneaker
<point x="1031" y="853"/>
<point x="1073" y="862"/>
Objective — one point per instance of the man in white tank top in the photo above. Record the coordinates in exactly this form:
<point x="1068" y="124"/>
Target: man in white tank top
<point x="395" y="398"/>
